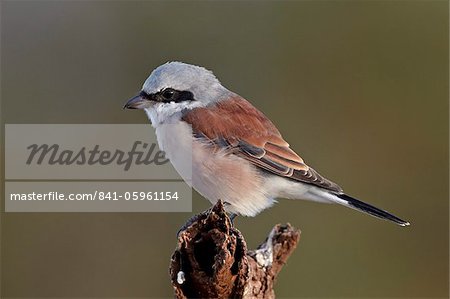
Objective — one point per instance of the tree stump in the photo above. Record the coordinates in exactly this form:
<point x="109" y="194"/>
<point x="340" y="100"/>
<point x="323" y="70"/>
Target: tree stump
<point x="212" y="261"/>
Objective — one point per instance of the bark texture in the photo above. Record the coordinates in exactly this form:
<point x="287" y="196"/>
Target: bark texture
<point x="212" y="261"/>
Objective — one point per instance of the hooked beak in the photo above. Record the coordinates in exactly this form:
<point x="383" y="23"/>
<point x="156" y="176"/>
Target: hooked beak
<point x="135" y="102"/>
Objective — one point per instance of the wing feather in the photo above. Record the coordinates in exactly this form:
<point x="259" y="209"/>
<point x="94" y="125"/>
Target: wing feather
<point x="237" y="125"/>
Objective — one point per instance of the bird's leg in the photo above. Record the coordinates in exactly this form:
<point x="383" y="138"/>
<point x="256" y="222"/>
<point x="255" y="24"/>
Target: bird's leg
<point x="232" y="216"/>
<point x="189" y="223"/>
<point x="196" y="217"/>
<point x="193" y="219"/>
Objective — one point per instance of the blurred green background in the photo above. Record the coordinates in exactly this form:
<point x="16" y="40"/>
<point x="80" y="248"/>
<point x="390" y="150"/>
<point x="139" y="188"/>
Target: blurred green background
<point x="359" y="89"/>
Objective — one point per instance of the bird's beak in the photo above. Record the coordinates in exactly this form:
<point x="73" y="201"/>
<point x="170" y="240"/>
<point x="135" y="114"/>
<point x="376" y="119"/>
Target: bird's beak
<point x="135" y="102"/>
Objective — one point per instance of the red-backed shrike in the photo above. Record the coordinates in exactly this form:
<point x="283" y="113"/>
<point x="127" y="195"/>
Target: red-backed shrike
<point x="238" y="155"/>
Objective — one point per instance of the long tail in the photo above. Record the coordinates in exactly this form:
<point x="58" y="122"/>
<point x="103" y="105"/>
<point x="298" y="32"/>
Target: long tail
<point x="356" y="204"/>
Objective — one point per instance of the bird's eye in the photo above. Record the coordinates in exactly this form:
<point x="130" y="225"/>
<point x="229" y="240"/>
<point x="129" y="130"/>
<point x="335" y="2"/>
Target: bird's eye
<point x="168" y="93"/>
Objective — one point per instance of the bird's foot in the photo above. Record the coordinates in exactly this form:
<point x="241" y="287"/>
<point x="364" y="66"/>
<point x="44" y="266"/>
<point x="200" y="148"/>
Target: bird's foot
<point x="188" y="223"/>
<point x="197" y="217"/>
<point x="232" y="216"/>
<point x="192" y="220"/>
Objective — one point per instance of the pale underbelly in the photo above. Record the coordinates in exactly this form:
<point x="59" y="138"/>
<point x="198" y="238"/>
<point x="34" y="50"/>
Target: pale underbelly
<point x="214" y="174"/>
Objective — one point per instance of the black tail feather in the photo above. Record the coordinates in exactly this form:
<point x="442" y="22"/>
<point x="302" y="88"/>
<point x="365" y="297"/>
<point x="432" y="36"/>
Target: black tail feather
<point x="371" y="210"/>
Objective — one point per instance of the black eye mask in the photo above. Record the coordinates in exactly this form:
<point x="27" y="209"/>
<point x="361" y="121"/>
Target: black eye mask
<point x="169" y="95"/>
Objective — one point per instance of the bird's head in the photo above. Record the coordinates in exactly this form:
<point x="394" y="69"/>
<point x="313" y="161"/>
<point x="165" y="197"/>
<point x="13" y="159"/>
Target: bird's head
<point x="174" y="88"/>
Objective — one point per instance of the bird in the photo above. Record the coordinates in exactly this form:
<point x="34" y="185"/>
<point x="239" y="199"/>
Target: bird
<point x="226" y="149"/>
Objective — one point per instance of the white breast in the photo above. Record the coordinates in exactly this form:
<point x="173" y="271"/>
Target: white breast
<point x="214" y="173"/>
<point x="176" y="141"/>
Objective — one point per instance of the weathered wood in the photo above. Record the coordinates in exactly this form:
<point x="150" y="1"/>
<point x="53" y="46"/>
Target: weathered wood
<point x="212" y="261"/>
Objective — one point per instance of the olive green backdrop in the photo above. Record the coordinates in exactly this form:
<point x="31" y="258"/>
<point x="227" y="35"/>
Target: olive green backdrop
<point x="359" y="89"/>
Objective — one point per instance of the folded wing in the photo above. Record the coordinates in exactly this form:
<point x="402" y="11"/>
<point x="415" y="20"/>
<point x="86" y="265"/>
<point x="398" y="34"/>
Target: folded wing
<point x="238" y="126"/>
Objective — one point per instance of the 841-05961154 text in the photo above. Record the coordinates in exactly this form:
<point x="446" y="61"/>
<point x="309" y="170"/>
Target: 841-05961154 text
<point x="99" y="195"/>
